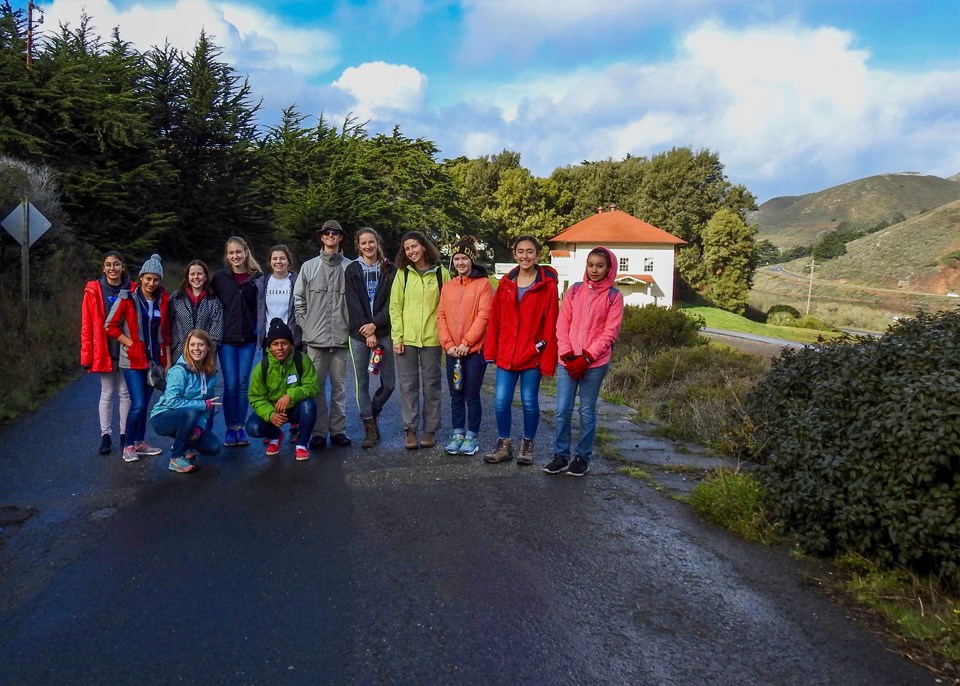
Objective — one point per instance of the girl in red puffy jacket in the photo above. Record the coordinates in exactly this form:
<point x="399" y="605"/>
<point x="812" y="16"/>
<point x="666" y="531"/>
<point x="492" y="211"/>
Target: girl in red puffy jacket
<point x="100" y="354"/>
<point x="522" y="342"/>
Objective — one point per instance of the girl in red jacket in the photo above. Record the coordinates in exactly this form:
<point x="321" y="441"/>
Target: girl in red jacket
<point x="99" y="354"/>
<point x="522" y="342"/>
<point x="586" y="330"/>
<point x="462" y="325"/>
<point x="140" y="321"/>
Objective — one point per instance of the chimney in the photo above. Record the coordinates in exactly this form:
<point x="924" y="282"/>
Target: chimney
<point x="600" y="209"/>
<point x="613" y="206"/>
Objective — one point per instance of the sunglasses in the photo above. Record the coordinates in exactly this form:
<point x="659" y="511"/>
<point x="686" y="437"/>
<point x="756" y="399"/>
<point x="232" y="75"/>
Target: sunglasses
<point x="330" y="232"/>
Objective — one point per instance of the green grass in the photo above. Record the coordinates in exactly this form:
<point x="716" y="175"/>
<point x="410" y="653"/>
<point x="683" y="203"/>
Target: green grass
<point x="721" y="319"/>
<point x="734" y="501"/>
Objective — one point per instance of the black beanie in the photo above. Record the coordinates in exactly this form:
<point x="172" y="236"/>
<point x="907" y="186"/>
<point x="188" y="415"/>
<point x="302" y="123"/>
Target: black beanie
<point x="278" y="329"/>
<point x="466" y="247"/>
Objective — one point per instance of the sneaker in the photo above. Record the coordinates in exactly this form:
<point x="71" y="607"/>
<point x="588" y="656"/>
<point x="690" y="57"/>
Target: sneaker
<point x="190" y="454"/>
<point x="556" y="465"/>
<point x="318" y="442"/>
<point x="578" y="467"/>
<point x="145" y="449"/>
<point x="273" y="447"/>
<point x="105" y="446"/>
<point x="340" y="439"/>
<point x="230" y="440"/>
<point x="302" y="453"/>
<point x="453" y="447"/>
<point x="242" y="438"/>
<point x="469" y="446"/>
<point x="181" y="464"/>
<point x="130" y="453"/>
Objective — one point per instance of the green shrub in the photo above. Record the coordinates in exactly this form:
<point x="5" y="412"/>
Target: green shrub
<point x="859" y="444"/>
<point x="784" y="309"/>
<point x="786" y="319"/>
<point x="734" y="501"/>
<point x="651" y="328"/>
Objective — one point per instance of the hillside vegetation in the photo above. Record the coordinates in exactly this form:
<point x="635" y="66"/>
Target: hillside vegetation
<point x="858" y="205"/>
<point x="920" y="254"/>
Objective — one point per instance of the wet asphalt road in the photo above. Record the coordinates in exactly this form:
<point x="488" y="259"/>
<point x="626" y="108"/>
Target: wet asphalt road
<point x="387" y="567"/>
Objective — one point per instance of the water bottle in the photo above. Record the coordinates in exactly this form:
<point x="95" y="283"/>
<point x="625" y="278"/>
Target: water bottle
<point x="457" y="376"/>
<point x="376" y="359"/>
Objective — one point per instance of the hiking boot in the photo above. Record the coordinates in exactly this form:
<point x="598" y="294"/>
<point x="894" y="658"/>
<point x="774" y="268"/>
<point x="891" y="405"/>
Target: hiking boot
<point x="130" y="453"/>
<point x="273" y="446"/>
<point x="105" y="445"/>
<point x="340" y="440"/>
<point x="556" y="465"/>
<point x="469" y="446"/>
<point x="230" y="438"/>
<point x="526" y="452"/>
<point x="453" y="447"/>
<point x="370" y="434"/>
<point x="412" y="442"/>
<point x="242" y="438"/>
<point x="318" y="442"/>
<point x="578" y="467"/>
<point x="181" y="465"/>
<point x="428" y="440"/>
<point x="502" y="452"/>
<point x="147" y="450"/>
<point x="302" y="453"/>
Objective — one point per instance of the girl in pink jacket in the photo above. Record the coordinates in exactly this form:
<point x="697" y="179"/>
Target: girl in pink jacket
<point x="588" y="325"/>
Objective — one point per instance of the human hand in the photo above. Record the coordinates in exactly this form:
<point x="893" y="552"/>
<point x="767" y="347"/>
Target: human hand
<point x="453" y="351"/>
<point x="368" y="330"/>
<point x="462" y="350"/>
<point x="282" y="404"/>
<point x="278" y="419"/>
<point x="398" y="348"/>
<point x="371" y="342"/>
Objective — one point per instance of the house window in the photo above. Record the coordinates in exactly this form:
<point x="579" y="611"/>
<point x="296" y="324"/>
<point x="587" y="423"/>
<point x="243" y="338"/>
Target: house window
<point x="647" y="264"/>
<point x="624" y="266"/>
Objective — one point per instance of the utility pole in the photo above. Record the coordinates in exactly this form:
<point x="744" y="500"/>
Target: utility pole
<point x="813" y="264"/>
<point x="30" y="7"/>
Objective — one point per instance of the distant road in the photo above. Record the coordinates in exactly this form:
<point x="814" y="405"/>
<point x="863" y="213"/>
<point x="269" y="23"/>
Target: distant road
<point x="750" y="343"/>
<point x="778" y="270"/>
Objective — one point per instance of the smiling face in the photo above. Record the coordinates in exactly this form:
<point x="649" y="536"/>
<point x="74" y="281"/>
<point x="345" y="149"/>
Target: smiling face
<point x="149" y="284"/>
<point x="279" y="263"/>
<point x="281" y="349"/>
<point x="525" y="254"/>
<point x="462" y="264"/>
<point x="414" y="252"/>
<point x="330" y="239"/>
<point x="197" y="278"/>
<point x="367" y="245"/>
<point x="113" y="270"/>
<point x="236" y="257"/>
<point x="197" y="349"/>
<point x="597" y="267"/>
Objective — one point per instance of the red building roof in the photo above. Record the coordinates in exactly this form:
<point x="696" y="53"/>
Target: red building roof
<point x="614" y="226"/>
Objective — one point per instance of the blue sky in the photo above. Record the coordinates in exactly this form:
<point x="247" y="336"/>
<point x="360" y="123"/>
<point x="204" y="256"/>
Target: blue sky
<point x="794" y="95"/>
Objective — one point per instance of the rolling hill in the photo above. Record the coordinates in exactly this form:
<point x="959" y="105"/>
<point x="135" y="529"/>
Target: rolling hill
<point x="862" y="204"/>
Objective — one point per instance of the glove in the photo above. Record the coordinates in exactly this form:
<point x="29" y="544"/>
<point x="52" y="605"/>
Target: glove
<point x="566" y="357"/>
<point x="576" y="367"/>
<point x="589" y="357"/>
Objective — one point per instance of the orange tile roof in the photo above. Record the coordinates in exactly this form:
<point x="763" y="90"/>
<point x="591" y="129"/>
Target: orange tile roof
<point x="614" y="226"/>
<point x="560" y="253"/>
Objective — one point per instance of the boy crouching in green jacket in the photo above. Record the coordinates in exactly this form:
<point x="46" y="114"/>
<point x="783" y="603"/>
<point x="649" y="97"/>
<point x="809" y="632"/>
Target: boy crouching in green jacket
<point x="282" y="391"/>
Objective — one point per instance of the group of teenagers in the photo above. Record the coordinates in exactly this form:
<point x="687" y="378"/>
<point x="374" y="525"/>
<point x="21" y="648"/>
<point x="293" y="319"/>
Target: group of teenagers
<point x="393" y="321"/>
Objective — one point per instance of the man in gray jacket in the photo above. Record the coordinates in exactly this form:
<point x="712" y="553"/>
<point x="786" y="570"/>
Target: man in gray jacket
<point x="320" y="306"/>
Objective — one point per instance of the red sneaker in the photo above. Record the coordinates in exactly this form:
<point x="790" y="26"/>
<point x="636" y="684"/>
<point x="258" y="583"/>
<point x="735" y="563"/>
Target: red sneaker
<point x="302" y="453"/>
<point x="273" y="447"/>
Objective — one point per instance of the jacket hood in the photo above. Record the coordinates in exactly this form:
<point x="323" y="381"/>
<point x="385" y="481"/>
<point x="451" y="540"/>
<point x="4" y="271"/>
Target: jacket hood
<point x="611" y="276"/>
<point x="476" y="272"/>
<point x="544" y="271"/>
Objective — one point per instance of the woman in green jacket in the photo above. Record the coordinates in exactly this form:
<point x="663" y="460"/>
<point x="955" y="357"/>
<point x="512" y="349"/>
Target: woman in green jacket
<point x="414" y="298"/>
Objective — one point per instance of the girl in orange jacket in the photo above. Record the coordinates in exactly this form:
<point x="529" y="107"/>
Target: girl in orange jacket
<point x="462" y="325"/>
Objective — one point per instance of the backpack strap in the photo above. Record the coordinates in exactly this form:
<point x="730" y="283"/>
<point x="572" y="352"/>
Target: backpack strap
<point x="612" y="292"/>
<point x="297" y="362"/>
<point x="439" y="273"/>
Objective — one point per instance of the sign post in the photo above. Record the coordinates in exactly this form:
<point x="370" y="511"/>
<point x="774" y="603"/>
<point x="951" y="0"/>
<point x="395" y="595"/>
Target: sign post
<point x="26" y="225"/>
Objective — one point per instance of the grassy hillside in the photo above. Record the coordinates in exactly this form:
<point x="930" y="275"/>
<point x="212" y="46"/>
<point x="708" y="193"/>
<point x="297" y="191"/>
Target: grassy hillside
<point x="861" y="204"/>
<point x="920" y="254"/>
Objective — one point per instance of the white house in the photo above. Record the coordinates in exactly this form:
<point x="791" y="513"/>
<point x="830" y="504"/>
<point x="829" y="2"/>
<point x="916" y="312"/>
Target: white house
<point x="644" y="252"/>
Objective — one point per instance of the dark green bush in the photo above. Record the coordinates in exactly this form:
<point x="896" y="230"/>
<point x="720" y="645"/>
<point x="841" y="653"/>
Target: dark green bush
<point x="651" y="328"/>
<point x="786" y="309"/>
<point x="859" y="444"/>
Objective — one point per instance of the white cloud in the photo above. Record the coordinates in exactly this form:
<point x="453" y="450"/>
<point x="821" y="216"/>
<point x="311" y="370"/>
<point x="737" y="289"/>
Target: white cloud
<point x="381" y="89"/>
<point x="479" y="143"/>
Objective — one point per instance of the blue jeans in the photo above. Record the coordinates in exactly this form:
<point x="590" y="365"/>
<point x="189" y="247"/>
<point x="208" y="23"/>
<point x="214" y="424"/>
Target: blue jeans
<point x="140" y="392"/>
<point x="180" y="424"/>
<point x="303" y="413"/>
<point x="236" y="362"/>
<point x="529" y="400"/>
<point x="465" y="407"/>
<point x="589" y="390"/>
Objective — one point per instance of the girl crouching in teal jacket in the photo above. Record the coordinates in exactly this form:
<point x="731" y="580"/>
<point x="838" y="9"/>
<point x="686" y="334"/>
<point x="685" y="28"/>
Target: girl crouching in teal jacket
<point x="185" y="410"/>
